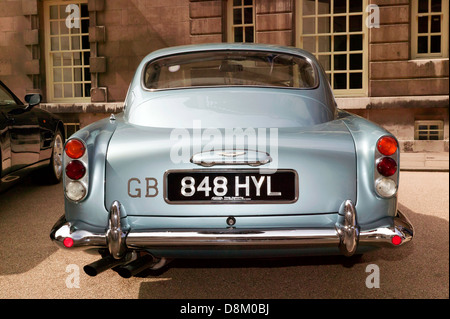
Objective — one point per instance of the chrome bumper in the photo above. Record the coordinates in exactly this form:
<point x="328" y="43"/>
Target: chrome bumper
<point x="346" y="235"/>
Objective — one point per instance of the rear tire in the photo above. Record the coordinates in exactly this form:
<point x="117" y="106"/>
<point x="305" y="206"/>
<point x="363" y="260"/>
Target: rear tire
<point x="55" y="169"/>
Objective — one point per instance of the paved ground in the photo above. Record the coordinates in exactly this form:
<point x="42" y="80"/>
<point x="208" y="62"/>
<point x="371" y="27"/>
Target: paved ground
<point x="32" y="267"/>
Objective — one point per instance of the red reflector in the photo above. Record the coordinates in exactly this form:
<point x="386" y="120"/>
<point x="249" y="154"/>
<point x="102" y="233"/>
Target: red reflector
<point x="75" y="149"/>
<point x="75" y="170"/>
<point x="387" y="145"/>
<point x="387" y="166"/>
<point x="68" y="242"/>
<point x="396" y="240"/>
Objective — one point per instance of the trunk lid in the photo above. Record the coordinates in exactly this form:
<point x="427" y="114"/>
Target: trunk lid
<point x="322" y="157"/>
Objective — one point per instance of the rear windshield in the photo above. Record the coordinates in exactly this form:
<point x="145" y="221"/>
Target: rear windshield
<point x="230" y="68"/>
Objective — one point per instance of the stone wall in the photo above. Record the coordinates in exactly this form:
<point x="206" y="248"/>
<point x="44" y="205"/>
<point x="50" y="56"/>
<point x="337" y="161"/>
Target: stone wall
<point x="274" y="22"/>
<point x="392" y="72"/>
<point x="19" y="40"/>
<point x="122" y="32"/>
<point x="133" y="29"/>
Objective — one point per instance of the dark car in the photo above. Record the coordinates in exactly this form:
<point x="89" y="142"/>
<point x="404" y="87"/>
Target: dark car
<point x="30" y="139"/>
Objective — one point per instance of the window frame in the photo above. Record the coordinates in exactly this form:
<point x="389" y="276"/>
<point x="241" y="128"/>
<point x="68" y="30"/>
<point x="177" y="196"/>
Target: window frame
<point x="68" y="125"/>
<point x="443" y="33"/>
<point x="231" y="25"/>
<point x="49" y="57"/>
<point x="364" y="51"/>
<point x="428" y="123"/>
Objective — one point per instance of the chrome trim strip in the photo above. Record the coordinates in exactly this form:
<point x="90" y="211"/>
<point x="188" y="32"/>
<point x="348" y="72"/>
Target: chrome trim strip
<point x="246" y="238"/>
<point x="231" y="157"/>
<point x="233" y="237"/>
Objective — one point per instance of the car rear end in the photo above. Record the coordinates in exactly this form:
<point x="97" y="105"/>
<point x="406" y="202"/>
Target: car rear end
<point x="230" y="172"/>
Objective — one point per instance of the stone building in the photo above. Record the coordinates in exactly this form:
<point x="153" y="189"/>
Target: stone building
<point x="387" y="60"/>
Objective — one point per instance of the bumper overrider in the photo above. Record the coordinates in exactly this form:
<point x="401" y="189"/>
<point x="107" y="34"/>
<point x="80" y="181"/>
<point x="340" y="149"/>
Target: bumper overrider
<point x="346" y="235"/>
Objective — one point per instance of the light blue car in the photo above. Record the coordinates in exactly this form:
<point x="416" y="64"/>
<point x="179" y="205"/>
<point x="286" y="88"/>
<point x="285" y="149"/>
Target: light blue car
<point x="224" y="151"/>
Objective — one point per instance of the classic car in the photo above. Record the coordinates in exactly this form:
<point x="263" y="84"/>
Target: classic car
<point x="30" y="139"/>
<point x="226" y="151"/>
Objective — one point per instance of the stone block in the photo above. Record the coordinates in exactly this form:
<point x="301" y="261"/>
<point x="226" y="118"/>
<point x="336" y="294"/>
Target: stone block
<point x="96" y="5"/>
<point x="409" y="69"/>
<point x="97" y="64"/>
<point x="6" y="24"/>
<point x="32" y="67"/>
<point x="389" y="33"/>
<point x="10" y="8"/>
<point x="99" y="94"/>
<point x="389" y="51"/>
<point x="270" y="6"/>
<point x="274" y="22"/>
<point x="275" y="37"/>
<point x="205" y="9"/>
<point x="394" y="14"/>
<point x="206" y="26"/>
<point x="5" y="67"/>
<point x="31" y="37"/>
<point x="409" y="87"/>
<point x="97" y="34"/>
<point x="116" y="4"/>
<point x="29" y="7"/>
<point x="208" y="38"/>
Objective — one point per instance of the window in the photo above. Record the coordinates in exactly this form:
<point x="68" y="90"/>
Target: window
<point x="241" y="21"/>
<point x="5" y="97"/>
<point x="230" y="68"/>
<point x="429" y="130"/>
<point x="429" y="28"/>
<point x="71" y="128"/>
<point x="335" y="32"/>
<point x="67" y="51"/>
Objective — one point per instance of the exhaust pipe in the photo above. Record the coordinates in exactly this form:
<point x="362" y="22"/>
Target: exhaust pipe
<point x="141" y="264"/>
<point x="103" y="264"/>
<point x="161" y="263"/>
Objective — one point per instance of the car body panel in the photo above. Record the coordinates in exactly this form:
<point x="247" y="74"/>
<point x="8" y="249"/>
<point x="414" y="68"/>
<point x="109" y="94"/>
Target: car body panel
<point x="366" y="134"/>
<point x="26" y="138"/>
<point x="96" y="137"/>
<point x="229" y="108"/>
<point x="162" y="132"/>
<point x="322" y="155"/>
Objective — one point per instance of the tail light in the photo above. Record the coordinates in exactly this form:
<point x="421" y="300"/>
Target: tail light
<point x="387" y="145"/>
<point x="68" y="242"/>
<point x="386" y="166"/>
<point x="76" y="169"/>
<point x="75" y="148"/>
<point x="396" y="240"/>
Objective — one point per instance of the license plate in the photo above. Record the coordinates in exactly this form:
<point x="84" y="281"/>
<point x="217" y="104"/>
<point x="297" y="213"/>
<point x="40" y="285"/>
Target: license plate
<point x="231" y="187"/>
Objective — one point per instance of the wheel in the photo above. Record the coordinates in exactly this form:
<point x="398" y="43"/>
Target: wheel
<point x="54" y="171"/>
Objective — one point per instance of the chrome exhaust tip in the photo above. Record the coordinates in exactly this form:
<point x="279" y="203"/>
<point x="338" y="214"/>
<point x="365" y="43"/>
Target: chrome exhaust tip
<point x="107" y="262"/>
<point x="136" y="266"/>
<point x="145" y="262"/>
